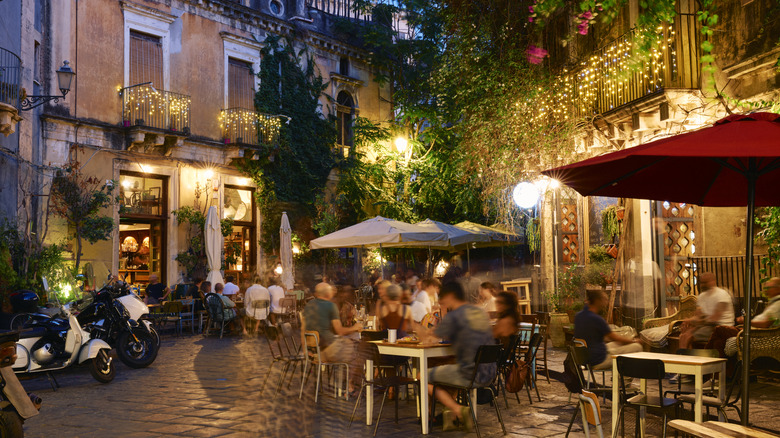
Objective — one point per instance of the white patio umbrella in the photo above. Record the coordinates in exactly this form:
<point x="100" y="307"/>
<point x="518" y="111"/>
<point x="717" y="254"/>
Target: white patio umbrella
<point x="285" y="253"/>
<point x="213" y="235"/>
<point x="498" y="236"/>
<point x="381" y="232"/>
<point x="457" y="236"/>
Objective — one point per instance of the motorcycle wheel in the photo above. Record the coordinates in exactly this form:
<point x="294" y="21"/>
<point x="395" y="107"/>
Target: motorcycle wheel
<point x="19" y="321"/>
<point x="137" y="354"/>
<point x="102" y="368"/>
<point x="156" y="336"/>
<point x="10" y="424"/>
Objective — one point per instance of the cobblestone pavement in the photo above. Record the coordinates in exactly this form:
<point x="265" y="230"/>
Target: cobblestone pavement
<point x="203" y="387"/>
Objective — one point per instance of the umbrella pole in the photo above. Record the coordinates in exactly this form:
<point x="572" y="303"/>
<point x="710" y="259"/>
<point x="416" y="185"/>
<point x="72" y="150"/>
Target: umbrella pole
<point x="751" y="177"/>
<point x="429" y="268"/>
<point x="381" y="262"/>
<point x="468" y="259"/>
<point x="503" y="268"/>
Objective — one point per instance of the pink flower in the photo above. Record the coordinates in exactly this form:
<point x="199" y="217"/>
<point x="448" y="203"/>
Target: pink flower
<point x="582" y="28"/>
<point x="535" y="54"/>
<point x="530" y="19"/>
<point x="531" y="9"/>
<point x="587" y="15"/>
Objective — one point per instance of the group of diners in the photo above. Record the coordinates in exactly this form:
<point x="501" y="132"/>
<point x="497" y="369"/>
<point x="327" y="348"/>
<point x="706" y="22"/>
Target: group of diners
<point x="431" y="313"/>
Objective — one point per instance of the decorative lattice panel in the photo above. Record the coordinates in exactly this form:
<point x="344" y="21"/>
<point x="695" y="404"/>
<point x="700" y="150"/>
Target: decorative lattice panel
<point x="569" y="234"/>
<point x="679" y="243"/>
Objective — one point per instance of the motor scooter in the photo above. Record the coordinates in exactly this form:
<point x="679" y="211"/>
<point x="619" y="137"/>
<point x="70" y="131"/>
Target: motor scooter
<point x="16" y="405"/>
<point x="59" y="342"/>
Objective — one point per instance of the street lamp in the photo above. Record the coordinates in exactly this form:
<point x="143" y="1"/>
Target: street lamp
<point x="525" y="195"/>
<point x="64" y="79"/>
<point x="401" y="144"/>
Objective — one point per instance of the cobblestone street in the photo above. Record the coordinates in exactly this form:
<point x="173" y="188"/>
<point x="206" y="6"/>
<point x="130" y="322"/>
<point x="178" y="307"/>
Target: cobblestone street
<point x="203" y="387"/>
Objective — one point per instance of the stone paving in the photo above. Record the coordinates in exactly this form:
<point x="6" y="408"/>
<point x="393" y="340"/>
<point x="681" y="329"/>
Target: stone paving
<point x="204" y="387"/>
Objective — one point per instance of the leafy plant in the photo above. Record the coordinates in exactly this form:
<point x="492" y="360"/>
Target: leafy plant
<point x="80" y="201"/>
<point x="569" y="293"/>
<point x="610" y="225"/>
<point x="600" y="267"/>
<point x="193" y="259"/>
<point x="768" y="221"/>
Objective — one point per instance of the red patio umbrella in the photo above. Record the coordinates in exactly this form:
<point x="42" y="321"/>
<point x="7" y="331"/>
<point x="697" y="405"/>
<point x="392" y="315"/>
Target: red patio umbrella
<point x="735" y="162"/>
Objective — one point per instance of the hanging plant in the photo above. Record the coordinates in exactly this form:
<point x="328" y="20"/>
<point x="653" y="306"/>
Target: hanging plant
<point x="533" y="235"/>
<point x="610" y="224"/>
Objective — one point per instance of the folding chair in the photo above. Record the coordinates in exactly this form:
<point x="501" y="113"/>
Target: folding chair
<point x="314" y="360"/>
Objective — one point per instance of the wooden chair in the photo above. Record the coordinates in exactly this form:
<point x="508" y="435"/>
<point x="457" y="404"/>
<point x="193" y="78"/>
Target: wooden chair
<point x="591" y="413"/>
<point x="543" y="319"/>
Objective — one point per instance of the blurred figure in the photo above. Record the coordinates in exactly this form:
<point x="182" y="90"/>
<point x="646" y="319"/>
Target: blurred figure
<point x="508" y="317"/>
<point x="156" y="292"/>
<point x="229" y="311"/>
<point x="230" y="288"/>
<point x="257" y="301"/>
<point x="487" y="297"/>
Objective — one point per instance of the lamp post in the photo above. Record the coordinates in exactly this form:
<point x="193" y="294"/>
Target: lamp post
<point x="65" y="77"/>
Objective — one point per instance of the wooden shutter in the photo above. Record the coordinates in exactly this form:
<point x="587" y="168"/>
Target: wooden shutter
<point x="241" y="85"/>
<point x="146" y="59"/>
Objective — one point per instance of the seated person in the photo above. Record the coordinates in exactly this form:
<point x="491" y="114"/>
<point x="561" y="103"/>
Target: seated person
<point x="487" y="297"/>
<point x="508" y="317"/>
<point x="277" y="293"/>
<point x="228" y="307"/>
<point x="426" y="304"/>
<point x="230" y="288"/>
<point x="322" y="316"/>
<point x="714" y="307"/>
<point x="394" y="314"/>
<point x="769" y="318"/>
<point x="592" y="328"/>
<point x="156" y="292"/>
<point x="466" y="327"/>
<point x="255" y="299"/>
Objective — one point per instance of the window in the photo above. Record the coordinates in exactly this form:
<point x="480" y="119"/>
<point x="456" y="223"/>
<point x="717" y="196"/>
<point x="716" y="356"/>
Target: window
<point x="146" y="59"/>
<point x="142" y="225"/>
<point x="344" y="66"/>
<point x="241" y="84"/>
<point x="241" y="245"/>
<point x="345" y="111"/>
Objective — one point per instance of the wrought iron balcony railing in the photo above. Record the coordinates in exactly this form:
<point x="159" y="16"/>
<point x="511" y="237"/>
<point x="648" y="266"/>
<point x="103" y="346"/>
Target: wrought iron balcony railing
<point x="619" y="74"/>
<point x="10" y="78"/>
<point x="339" y="8"/>
<point x="243" y="126"/>
<point x="145" y="106"/>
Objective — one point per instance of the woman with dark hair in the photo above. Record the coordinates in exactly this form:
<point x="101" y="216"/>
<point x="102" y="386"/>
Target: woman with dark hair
<point x="508" y="316"/>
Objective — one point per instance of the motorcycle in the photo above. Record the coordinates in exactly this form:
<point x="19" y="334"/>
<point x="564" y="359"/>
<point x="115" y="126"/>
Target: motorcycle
<point x="16" y="405"/>
<point x="113" y="315"/>
<point x="58" y="342"/>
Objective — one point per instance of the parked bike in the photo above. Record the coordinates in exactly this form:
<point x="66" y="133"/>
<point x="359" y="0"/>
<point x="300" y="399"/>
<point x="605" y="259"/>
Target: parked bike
<point x="17" y="405"/>
<point x="51" y="343"/>
<point x="112" y="314"/>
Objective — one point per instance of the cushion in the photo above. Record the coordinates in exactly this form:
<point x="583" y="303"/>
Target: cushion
<point x="655" y="337"/>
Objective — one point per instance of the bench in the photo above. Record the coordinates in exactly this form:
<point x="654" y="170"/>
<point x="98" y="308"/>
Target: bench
<point x="716" y="429"/>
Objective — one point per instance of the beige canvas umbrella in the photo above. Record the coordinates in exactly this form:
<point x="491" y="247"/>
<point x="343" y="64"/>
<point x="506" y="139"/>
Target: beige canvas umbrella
<point x="213" y="235"/>
<point x="285" y="253"/>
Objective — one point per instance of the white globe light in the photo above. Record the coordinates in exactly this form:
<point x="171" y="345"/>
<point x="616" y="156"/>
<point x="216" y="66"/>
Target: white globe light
<point x="525" y="195"/>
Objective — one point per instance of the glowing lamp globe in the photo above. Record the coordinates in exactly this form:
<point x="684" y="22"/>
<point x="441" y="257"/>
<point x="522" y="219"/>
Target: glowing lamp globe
<point x="525" y="195"/>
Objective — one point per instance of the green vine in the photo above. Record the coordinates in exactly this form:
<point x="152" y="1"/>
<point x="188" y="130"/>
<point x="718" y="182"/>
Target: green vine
<point x="610" y="225"/>
<point x="193" y="259"/>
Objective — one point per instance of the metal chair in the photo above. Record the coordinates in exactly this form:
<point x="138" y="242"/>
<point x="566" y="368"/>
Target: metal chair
<point x="382" y="381"/>
<point x="288" y="305"/>
<point x="592" y="372"/>
<point x="730" y="401"/>
<point x="579" y="356"/>
<point x="314" y="359"/>
<point x="650" y="369"/>
<point x="544" y="322"/>
<point x="509" y="356"/>
<point x="216" y="314"/>
<point x="272" y="337"/>
<point x="171" y="312"/>
<point x="591" y="413"/>
<point x="486" y="354"/>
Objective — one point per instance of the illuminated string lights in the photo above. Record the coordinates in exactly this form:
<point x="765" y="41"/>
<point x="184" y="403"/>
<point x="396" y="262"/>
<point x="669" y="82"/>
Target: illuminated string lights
<point x="609" y="78"/>
<point x="147" y="106"/>
<point x="245" y="126"/>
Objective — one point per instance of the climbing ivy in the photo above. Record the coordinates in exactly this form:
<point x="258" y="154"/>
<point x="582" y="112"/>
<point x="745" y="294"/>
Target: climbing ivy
<point x="294" y="169"/>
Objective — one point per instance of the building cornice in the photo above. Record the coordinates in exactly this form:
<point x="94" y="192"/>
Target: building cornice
<point x="147" y="11"/>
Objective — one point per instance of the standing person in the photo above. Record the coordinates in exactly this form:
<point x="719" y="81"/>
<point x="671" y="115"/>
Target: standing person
<point x="230" y="288"/>
<point x="277" y="293"/>
<point x="466" y="327"/>
<point x="592" y="328"/>
<point x="713" y="307"/>
<point x="257" y="300"/>
<point x="322" y="316"/>
<point x="156" y="292"/>
<point x="229" y="311"/>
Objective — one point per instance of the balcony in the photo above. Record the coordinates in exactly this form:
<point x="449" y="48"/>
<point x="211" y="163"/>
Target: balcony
<point x="615" y="75"/>
<point x="249" y="129"/>
<point x="155" y="117"/>
<point x="10" y="91"/>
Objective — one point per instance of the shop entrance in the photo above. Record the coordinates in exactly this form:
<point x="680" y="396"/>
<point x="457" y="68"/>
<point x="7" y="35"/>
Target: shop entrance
<point x="142" y="225"/>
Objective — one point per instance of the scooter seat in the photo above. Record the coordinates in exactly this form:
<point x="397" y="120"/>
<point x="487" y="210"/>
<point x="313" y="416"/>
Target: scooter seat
<point x="35" y="332"/>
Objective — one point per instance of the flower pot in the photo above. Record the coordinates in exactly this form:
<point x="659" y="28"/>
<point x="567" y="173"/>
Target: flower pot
<point x="557" y="322"/>
<point x="612" y="250"/>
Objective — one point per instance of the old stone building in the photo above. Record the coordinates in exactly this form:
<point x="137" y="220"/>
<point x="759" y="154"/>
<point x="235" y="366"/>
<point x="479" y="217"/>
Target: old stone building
<point x="162" y="102"/>
<point x="622" y="105"/>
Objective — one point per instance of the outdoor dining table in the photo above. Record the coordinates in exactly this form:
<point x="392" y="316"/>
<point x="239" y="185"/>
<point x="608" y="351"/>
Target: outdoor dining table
<point x="717" y="429"/>
<point x="674" y="363"/>
<point x="422" y="352"/>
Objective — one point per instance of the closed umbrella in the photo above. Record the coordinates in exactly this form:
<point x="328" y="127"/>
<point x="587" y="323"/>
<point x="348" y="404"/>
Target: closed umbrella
<point x="285" y="252"/>
<point x="213" y="235"/>
<point x="735" y="162"/>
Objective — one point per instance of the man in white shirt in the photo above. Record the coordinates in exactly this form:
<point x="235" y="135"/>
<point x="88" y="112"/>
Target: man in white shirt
<point x="423" y="301"/>
<point x="230" y="288"/>
<point x="277" y="293"/>
<point x="256" y="302"/>
<point x="714" y="307"/>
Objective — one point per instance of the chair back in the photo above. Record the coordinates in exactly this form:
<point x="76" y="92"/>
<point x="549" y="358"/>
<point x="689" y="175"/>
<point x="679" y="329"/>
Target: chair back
<point x="172" y="307"/>
<point x="288" y="305"/>
<point x="580" y="342"/>
<point x="486" y="354"/>
<point x="593" y="415"/>
<point x="312" y="339"/>
<point x="533" y="319"/>
<point x="261" y="304"/>
<point x="215" y="306"/>
<point x="650" y="369"/>
<point x="288" y="336"/>
<point x="533" y="347"/>
<point x="579" y="358"/>
<point x="272" y="335"/>
<point x="509" y="352"/>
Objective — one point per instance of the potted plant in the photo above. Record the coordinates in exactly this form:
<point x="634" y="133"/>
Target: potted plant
<point x="610" y="224"/>
<point x="600" y="267"/>
<point x="567" y="298"/>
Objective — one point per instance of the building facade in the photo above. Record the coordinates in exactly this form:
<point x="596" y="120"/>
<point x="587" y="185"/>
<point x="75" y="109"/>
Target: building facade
<point x="163" y="101"/>
<point x="622" y="104"/>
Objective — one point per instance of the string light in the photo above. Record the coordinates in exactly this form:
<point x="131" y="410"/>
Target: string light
<point x="609" y="78"/>
<point x="156" y="108"/>
<point x="249" y="126"/>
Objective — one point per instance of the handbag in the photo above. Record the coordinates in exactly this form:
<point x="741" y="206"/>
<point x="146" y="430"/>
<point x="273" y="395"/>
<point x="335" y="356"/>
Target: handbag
<point x="516" y="376"/>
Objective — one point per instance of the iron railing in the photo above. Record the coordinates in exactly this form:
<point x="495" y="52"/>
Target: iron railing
<point x="144" y="105"/>
<point x="248" y="127"/>
<point x="340" y="8"/>
<point x="614" y="75"/>
<point x="730" y="272"/>
<point x="10" y="78"/>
